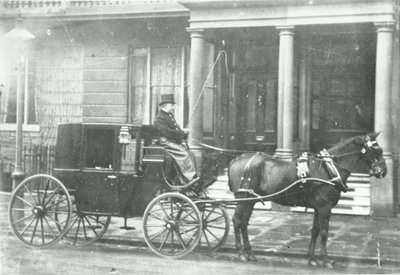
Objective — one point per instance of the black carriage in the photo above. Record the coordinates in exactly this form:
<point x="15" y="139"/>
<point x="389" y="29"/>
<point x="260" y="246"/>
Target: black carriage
<point x="108" y="170"/>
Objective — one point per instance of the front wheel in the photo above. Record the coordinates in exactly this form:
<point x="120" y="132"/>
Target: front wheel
<point x="172" y="225"/>
<point x="40" y="211"/>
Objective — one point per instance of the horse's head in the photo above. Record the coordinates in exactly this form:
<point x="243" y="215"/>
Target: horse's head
<point x="372" y="154"/>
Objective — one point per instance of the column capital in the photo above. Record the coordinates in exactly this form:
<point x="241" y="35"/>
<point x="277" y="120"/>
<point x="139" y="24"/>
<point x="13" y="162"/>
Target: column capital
<point x="195" y="32"/>
<point x="384" y="26"/>
<point x="285" y="30"/>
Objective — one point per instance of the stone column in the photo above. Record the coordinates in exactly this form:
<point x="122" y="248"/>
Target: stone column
<point x="304" y="100"/>
<point x="197" y="52"/>
<point x="382" y="190"/>
<point x="285" y="94"/>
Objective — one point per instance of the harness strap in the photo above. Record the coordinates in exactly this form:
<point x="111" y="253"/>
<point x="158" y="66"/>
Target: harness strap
<point x="327" y="158"/>
<point x="251" y="192"/>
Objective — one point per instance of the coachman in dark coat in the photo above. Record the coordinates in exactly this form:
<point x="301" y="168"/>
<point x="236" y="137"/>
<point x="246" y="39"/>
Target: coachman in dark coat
<point x="172" y="138"/>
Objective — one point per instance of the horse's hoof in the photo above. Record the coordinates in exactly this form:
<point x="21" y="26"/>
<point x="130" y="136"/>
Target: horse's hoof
<point x="329" y="264"/>
<point x="252" y="258"/>
<point x="242" y="258"/>
<point x="313" y="263"/>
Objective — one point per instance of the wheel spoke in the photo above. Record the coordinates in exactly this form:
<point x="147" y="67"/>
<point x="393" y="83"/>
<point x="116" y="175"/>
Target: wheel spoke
<point x="216" y="219"/>
<point x="192" y="237"/>
<point x="38" y="191"/>
<point x="30" y="194"/>
<point x="34" y="230"/>
<point x="52" y="195"/>
<point x="158" y="234"/>
<point x="84" y="229"/>
<point x="45" y="191"/>
<point x="90" y="224"/>
<point x="57" y="222"/>
<point x="209" y="214"/>
<point x="189" y="214"/>
<point x="164" y="240"/>
<point x="205" y="237"/>
<point x="165" y="212"/>
<point x="25" y="201"/>
<point x="48" y="225"/>
<point x="180" y="240"/>
<point x="23" y="219"/>
<point x="42" y="228"/>
<point x="77" y="229"/>
<point x="212" y="234"/>
<point x="27" y="226"/>
<point x="157" y="217"/>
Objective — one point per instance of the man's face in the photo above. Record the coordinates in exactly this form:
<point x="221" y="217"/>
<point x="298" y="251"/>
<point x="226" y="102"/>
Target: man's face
<point x="168" y="107"/>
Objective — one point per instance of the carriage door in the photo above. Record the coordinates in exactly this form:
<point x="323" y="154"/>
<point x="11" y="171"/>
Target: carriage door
<point x="256" y="114"/>
<point x="98" y="188"/>
<point x="342" y="90"/>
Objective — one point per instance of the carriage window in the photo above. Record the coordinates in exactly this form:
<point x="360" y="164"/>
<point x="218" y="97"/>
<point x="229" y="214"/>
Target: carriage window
<point x="100" y="148"/>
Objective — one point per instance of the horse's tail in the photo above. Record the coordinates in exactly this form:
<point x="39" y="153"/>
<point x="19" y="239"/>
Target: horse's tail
<point x="230" y="183"/>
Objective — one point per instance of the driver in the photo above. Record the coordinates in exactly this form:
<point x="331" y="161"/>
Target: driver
<point x="172" y="138"/>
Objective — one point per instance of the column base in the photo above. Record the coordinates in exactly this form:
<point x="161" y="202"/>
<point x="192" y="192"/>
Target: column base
<point x="383" y="192"/>
<point x="17" y="177"/>
<point x="284" y="154"/>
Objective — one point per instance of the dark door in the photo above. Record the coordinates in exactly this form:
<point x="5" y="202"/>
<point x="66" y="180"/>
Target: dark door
<point x="342" y="87"/>
<point x="342" y="106"/>
<point x="256" y="114"/>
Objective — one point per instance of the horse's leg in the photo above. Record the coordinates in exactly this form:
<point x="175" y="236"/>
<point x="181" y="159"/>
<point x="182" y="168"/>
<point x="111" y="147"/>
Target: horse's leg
<point x="324" y="217"/>
<point x="237" y="221"/>
<point x="248" y="210"/>
<point x="314" y="235"/>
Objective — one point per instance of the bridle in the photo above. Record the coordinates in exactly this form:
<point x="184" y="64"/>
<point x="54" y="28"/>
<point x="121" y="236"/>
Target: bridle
<point x="368" y="149"/>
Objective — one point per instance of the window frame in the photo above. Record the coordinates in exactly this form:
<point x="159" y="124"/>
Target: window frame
<point x="4" y="99"/>
<point x="147" y="116"/>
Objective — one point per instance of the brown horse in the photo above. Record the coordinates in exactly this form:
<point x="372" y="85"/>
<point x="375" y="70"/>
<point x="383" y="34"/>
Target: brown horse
<point x="265" y="175"/>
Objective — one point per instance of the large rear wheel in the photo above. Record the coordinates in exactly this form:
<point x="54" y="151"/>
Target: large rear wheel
<point x="172" y="225"/>
<point x="40" y="211"/>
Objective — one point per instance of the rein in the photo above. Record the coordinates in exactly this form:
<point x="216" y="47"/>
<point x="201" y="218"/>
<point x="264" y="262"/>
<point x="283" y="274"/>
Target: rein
<point x="259" y="197"/>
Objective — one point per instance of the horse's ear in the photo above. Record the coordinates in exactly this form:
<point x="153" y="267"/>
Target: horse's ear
<point x="373" y="136"/>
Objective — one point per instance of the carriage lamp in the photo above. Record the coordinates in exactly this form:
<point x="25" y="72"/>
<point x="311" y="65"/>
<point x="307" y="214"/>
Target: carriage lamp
<point x="124" y="135"/>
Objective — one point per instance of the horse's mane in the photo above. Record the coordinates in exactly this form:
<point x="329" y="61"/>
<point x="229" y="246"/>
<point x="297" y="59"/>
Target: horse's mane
<point x="342" y="146"/>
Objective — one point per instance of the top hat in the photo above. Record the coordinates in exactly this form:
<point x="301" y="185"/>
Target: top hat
<point x="167" y="98"/>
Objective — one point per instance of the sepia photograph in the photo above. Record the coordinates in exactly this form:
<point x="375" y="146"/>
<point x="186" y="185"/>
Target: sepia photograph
<point x="199" y="137"/>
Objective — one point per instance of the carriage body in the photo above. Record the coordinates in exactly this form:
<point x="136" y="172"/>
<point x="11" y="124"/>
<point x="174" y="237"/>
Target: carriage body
<point x="104" y="170"/>
<point x="112" y="170"/>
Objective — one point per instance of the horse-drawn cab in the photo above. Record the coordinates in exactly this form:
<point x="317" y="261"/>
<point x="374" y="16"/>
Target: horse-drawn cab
<point x="100" y="171"/>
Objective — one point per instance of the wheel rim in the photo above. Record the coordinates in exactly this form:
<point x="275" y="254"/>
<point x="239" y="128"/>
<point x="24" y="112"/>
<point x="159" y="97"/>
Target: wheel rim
<point x="85" y="228"/>
<point x="172" y="225"/>
<point x="215" y="221"/>
<point x="33" y="207"/>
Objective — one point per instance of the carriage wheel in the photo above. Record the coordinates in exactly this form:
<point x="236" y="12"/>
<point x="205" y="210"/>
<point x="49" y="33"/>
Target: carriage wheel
<point x="86" y="228"/>
<point x="33" y="208"/>
<point x="172" y="225"/>
<point x="215" y="221"/>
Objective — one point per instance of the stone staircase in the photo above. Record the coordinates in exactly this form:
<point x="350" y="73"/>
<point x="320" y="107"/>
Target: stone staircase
<point x="355" y="202"/>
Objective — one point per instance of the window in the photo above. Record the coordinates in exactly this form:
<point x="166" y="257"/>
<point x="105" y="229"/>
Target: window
<point x="161" y="70"/>
<point x="99" y="148"/>
<point x="8" y="96"/>
<point x="155" y="71"/>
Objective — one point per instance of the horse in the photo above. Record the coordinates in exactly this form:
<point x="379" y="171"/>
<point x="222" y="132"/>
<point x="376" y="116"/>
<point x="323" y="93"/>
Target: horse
<point x="257" y="174"/>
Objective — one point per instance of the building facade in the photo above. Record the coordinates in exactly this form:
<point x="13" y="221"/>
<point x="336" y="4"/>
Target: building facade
<point x="275" y="76"/>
